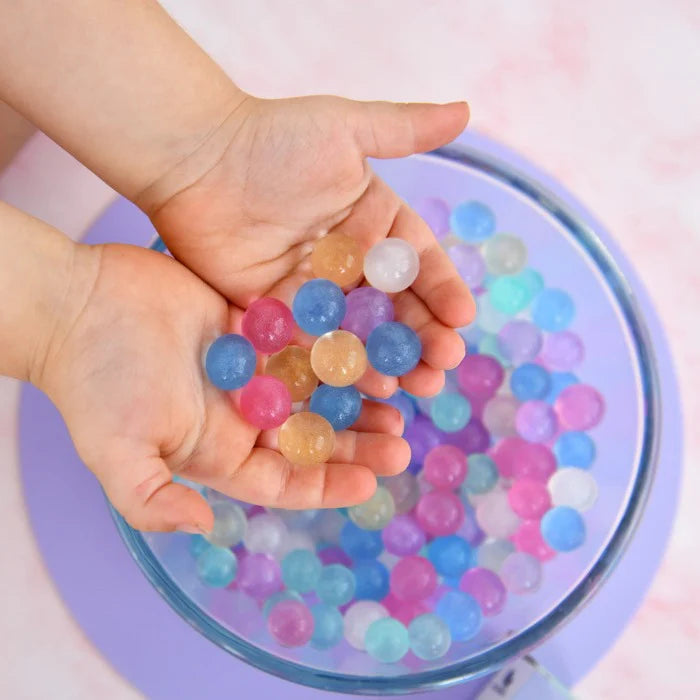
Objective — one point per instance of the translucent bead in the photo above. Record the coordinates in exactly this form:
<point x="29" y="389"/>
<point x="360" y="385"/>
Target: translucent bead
<point x="337" y="257"/>
<point x="413" y="578"/>
<point x="340" y="406"/>
<point x="473" y="221"/>
<point x="528" y="538"/>
<point x="520" y="341"/>
<point x="509" y="295"/>
<point x="259" y="575"/>
<point x="393" y="349"/>
<point x="482" y="474"/>
<point x="422" y="436"/>
<point x="265" y="402"/>
<point x="296" y="539"/>
<point x="386" y="640"/>
<point x="366" y="308"/>
<point x="328" y="626"/>
<point x="435" y="213"/>
<point x="579" y="407"/>
<point x="306" y="438"/>
<point x="529" y="382"/>
<point x="404" y="490"/>
<point x="264" y="534"/>
<point x="573" y="487"/>
<point x="553" y="310"/>
<point x="504" y="254"/>
<point x="469" y="264"/>
<point x="563" y="529"/>
<point x="358" y="617"/>
<point x="562" y="351"/>
<point x="429" y="636"/>
<point x="450" y="555"/>
<point x="517" y="458"/>
<point x="532" y="281"/>
<point x="391" y="265"/>
<point x="403" y="536"/>
<point x="268" y="324"/>
<point x="338" y="358"/>
<point x="559" y="382"/>
<point x="529" y="498"/>
<point x="331" y="554"/>
<point x="472" y="438"/>
<point x="488" y="317"/>
<point x="462" y="614"/>
<point x="492" y="553"/>
<point x="450" y="412"/>
<point x="197" y="545"/>
<point x="319" y="306"/>
<point x="372" y="580"/>
<point x="375" y="513"/>
<point x="439" y="512"/>
<point x="404" y="610"/>
<point x="301" y="570"/>
<point x="293" y="367"/>
<point x="499" y="415"/>
<point x="230" y="362"/>
<point x="490" y="345"/>
<point x="536" y="421"/>
<point x="290" y="623"/>
<point x="521" y="573"/>
<point x="359" y="543"/>
<point x="278" y="598"/>
<point x="486" y="588"/>
<point x="495" y="516"/>
<point x="575" y="449"/>
<point x="480" y="376"/>
<point x="445" y="467"/>
<point x="216" y="566"/>
<point x="230" y="524"/>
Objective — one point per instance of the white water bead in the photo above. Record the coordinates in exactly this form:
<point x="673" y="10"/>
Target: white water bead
<point x="265" y="532"/>
<point x="230" y="524"/>
<point x="573" y="487"/>
<point x="495" y="516"/>
<point x="391" y="265"/>
<point x="328" y="526"/>
<point x="375" y="513"/>
<point x="504" y="254"/>
<point x="488" y="318"/>
<point x="358" y="617"/>
<point x="296" y="539"/>
<point x="521" y="573"/>
<point x="492" y="553"/>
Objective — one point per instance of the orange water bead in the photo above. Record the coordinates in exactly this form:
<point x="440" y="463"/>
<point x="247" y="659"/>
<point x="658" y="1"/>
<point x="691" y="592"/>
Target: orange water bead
<point x="339" y="358"/>
<point x="306" y="438"/>
<point x="293" y="366"/>
<point x="338" y="258"/>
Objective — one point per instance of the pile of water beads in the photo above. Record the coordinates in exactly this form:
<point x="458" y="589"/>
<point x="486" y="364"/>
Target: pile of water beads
<point x="501" y="470"/>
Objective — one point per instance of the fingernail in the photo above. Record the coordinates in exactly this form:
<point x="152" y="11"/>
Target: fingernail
<point x="191" y="529"/>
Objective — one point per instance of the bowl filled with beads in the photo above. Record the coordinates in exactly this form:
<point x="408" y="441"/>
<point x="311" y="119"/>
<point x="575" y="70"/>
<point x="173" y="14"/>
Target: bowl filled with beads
<point x="528" y="471"/>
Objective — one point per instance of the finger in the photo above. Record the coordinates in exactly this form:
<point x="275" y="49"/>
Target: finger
<point x="379" y="418"/>
<point x="423" y="381"/>
<point x="375" y="384"/>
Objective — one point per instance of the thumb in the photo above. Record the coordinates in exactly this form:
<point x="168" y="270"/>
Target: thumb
<point x="394" y="130"/>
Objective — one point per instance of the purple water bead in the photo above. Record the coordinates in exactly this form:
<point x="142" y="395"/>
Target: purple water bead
<point x="536" y="421"/>
<point x="480" y="375"/>
<point x="366" y="308"/>
<point x="422" y="436"/>
<point x="403" y="536"/>
<point x="469" y="263"/>
<point x="435" y="213"/>
<point x="473" y="438"/>
<point x="520" y="341"/>
<point x="259" y="575"/>
<point x="562" y="351"/>
<point x="487" y="588"/>
<point x="334" y="555"/>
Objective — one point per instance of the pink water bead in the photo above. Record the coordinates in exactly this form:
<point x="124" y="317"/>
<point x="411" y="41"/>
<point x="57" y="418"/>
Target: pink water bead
<point x="439" y="512"/>
<point x="404" y="610"/>
<point x="529" y="498"/>
<point x="536" y="421"/>
<point x="259" y="575"/>
<point x="528" y="538"/>
<point x="445" y="467"/>
<point x="579" y="407"/>
<point x="487" y="588"/>
<point x="268" y="324"/>
<point x="265" y="402"/>
<point x="291" y="623"/>
<point x="365" y="309"/>
<point x="403" y="536"/>
<point x="499" y="415"/>
<point x="413" y="578"/>
<point x="479" y="376"/>
<point x="517" y="458"/>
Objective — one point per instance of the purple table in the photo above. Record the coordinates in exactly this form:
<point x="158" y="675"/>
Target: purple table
<point x="161" y="655"/>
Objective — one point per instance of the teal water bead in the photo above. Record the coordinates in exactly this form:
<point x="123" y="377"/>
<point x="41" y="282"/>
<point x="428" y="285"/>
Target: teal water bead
<point x="429" y="636"/>
<point x="217" y="566"/>
<point x="472" y="221"/>
<point x="450" y="412"/>
<point x="482" y="474"/>
<point x="230" y="524"/>
<point x="301" y="570"/>
<point x="563" y="528"/>
<point x="335" y="585"/>
<point x="553" y="310"/>
<point x="278" y="598"/>
<point x="504" y="254"/>
<point x="532" y="280"/>
<point x="328" y="626"/>
<point x="462" y="614"/>
<point x="575" y="449"/>
<point x="197" y="545"/>
<point x="375" y="513"/>
<point x="509" y="295"/>
<point x="488" y="318"/>
<point x="491" y="346"/>
<point x="386" y="640"/>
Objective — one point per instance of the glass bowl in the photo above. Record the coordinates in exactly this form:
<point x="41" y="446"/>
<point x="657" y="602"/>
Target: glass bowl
<point x="619" y="362"/>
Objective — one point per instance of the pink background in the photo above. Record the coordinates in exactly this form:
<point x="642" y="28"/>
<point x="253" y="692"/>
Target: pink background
<point x="602" y="95"/>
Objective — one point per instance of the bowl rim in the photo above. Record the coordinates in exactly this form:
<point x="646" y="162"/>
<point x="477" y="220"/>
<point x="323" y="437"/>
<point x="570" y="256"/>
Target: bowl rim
<point x="494" y="657"/>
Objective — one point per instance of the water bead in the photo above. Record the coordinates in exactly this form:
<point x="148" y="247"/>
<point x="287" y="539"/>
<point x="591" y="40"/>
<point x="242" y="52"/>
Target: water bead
<point x="293" y="367"/>
<point x="290" y="623"/>
<point x="435" y="213"/>
<point x="278" y="598"/>
<point x="504" y="254"/>
<point x="529" y="498"/>
<point x="531" y="280"/>
<point x="403" y="536"/>
<point x="521" y="573"/>
<point x="404" y="490"/>
<point x="328" y="626"/>
<point x="575" y="449"/>
<point x="450" y="412"/>
<point x="553" y="310"/>
<point x="306" y="438"/>
<point x="393" y="349"/>
<point x="462" y="614"/>
<point x="264" y="533"/>
<point x="376" y="512"/>
<point x="490" y="345"/>
<point x="450" y="555"/>
<point x="559" y="381"/>
<point x="366" y="308"/>
<point x="391" y="265"/>
<point x="469" y="263"/>
<point x="301" y="570"/>
<point x="338" y="358"/>
<point x="486" y="588"/>
<point x="404" y="610"/>
<point x="563" y="529"/>
<point x="519" y="341"/>
<point x="230" y="362"/>
<point x="331" y="554"/>
<point x="318" y="306"/>
<point x="359" y="543"/>
<point x="216" y="566"/>
<point x="230" y="524"/>
<point x="517" y="458"/>
<point x="579" y="407"/>
<point x="495" y="516"/>
<point x="294" y="540"/>
<point x="265" y="402"/>
<point x="573" y="487"/>
<point x="268" y="324"/>
<point x="472" y="221"/>
<point x="259" y="575"/>
<point x="439" y="512"/>
<point x="509" y="295"/>
<point x="372" y="580"/>
<point x="562" y="351"/>
<point x="429" y="636"/>
<point x="197" y="545"/>
<point x="536" y="421"/>
<point x="404" y="403"/>
<point x="471" y="439"/>
<point x="499" y="415"/>
<point x="530" y="381"/>
<point x="338" y="258"/>
<point x="488" y="317"/>
<point x="482" y="474"/>
<point x="358" y="617"/>
<point x="386" y="640"/>
<point x="413" y="578"/>
<point x="528" y="538"/>
<point x="445" y="467"/>
<point x="492" y="553"/>
<point x="480" y="376"/>
<point x="340" y="406"/>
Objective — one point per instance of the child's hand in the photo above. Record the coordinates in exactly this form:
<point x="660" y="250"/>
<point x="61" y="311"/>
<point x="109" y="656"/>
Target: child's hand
<point x="286" y="171"/>
<point x="124" y="367"/>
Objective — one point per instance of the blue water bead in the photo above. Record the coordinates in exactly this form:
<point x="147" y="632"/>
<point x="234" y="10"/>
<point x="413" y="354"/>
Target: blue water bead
<point x="482" y="474"/>
<point x="319" y="306"/>
<point x="461" y="613"/>
<point x="339" y="405"/>
<point x="575" y="449"/>
<point x="386" y="640"/>
<point x="393" y="348"/>
<point x="558" y="382"/>
<point x="301" y="570"/>
<point x="278" y="598"/>
<point x="563" y="528"/>
<point x="509" y="294"/>
<point x="472" y="221"/>
<point x="553" y="310"/>
<point x="429" y="636"/>
<point x="530" y="381"/>
<point x="359" y="543"/>
<point x="451" y="555"/>
<point x="197" y="545"/>
<point x="217" y="566"/>
<point x="230" y="362"/>
<point x="328" y="626"/>
<point x="450" y="412"/>
<point x="404" y="403"/>
<point x="372" y="580"/>
<point x="336" y="585"/>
